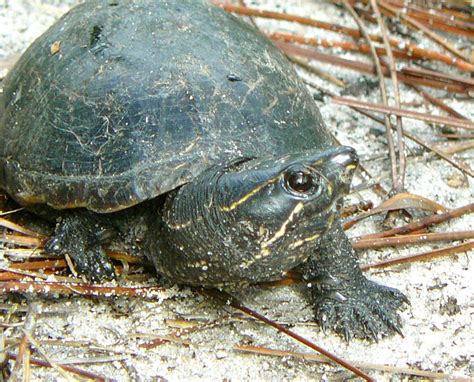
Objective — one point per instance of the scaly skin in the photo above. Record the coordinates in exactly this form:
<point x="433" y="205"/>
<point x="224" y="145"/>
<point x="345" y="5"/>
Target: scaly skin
<point x="344" y="299"/>
<point x="80" y="236"/>
<point x="242" y="223"/>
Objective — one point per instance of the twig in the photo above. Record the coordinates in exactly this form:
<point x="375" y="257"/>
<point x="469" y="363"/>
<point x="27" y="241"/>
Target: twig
<point x="422" y="256"/>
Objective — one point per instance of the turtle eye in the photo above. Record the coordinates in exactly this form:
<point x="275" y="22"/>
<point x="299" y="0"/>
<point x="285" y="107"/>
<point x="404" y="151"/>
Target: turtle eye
<point x="301" y="182"/>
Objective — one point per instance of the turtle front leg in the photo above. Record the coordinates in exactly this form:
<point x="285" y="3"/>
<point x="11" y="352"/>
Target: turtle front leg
<point x="344" y="300"/>
<point x="81" y="237"/>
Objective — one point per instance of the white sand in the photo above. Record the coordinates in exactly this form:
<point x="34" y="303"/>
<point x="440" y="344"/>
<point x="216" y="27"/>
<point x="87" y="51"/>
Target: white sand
<point x="433" y="341"/>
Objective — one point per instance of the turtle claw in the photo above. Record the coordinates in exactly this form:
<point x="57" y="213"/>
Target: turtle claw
<point x="368" y="310"/>
<point x="348" y="334"/>
<point x="75" y="237"/>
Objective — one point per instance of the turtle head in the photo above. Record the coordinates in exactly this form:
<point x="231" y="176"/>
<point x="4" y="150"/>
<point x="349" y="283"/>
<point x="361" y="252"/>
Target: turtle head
<point x="253" y="219"/>
<point x="270" y="186"/>
<point x="287" y="203"/>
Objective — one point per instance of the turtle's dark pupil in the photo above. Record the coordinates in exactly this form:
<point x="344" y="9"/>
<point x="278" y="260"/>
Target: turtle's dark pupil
<point x="300" y="181"/>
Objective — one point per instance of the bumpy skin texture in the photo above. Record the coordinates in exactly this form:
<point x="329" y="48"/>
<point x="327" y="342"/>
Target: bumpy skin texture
<point x="82" y="238"/>
<point x="260" y="228"/>
<point x="177" y="126"/>
<point x="140" y="98"/>
<point x="345" y="300"/>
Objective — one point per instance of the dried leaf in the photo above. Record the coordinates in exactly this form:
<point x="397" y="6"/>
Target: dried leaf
<point x="400" y="201"/>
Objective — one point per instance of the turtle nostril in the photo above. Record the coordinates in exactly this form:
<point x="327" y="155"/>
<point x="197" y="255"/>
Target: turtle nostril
<point x="347" y="158"/>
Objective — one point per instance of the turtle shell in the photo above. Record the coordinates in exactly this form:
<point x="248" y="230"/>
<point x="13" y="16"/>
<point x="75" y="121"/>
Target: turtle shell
<point x="121" y="101"/>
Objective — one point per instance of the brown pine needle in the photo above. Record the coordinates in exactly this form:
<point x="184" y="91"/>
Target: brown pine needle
<point x="345" y="45"/>
<point x="22" y="361"/>
<point x="24" y="241"/>
<point x="383" y="93"/>
<point x="405" y="75"/>
<point x="35" y="265"/>
<point x="400" y="183"/>
<point x="15" y="227"/>
<point x="67" y="289"/>
<point x="364" y="365"/>
<point x="71" y="369"/>
<point x="434" y="18"/>
<point x="53" y="364"/>
<point x="352" y="32"/>
<point x="230" y="300"/>
<point x="437" y="102"/>
<point x="362" y="243"/>
<point x="422" y="256"/>
<point x="417" y="25"/>
<point x="456" y="148"/>
<point x="424" y="223"/>
<point x="447" y="78"/>
<point x="460" y="166"/>
<point x="441" y="120"/>
<point x="446" y="9"/>
<point x="405" y="52"/>
<point x="10" y="276"/>
<point x="317" y="72"/>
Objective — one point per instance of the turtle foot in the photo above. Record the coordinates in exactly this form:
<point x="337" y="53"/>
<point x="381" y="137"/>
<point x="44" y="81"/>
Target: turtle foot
<point x="361" y="309"/>
<point x="80" y="238"/>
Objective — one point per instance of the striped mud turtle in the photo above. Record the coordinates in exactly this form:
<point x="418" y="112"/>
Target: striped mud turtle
<point x="179" y="129"/>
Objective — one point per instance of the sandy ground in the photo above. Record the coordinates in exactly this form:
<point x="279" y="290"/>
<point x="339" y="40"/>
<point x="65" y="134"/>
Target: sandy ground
<point x="105" y="335"/>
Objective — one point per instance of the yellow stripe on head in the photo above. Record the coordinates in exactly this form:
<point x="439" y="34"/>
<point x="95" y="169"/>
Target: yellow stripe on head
<point x="247" y="196"/>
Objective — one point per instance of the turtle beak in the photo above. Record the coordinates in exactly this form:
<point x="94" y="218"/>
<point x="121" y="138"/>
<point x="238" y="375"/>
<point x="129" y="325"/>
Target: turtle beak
<point x="339" y="167"/>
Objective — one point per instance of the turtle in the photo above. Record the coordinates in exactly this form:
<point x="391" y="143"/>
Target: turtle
<point x="182" y="131"/>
